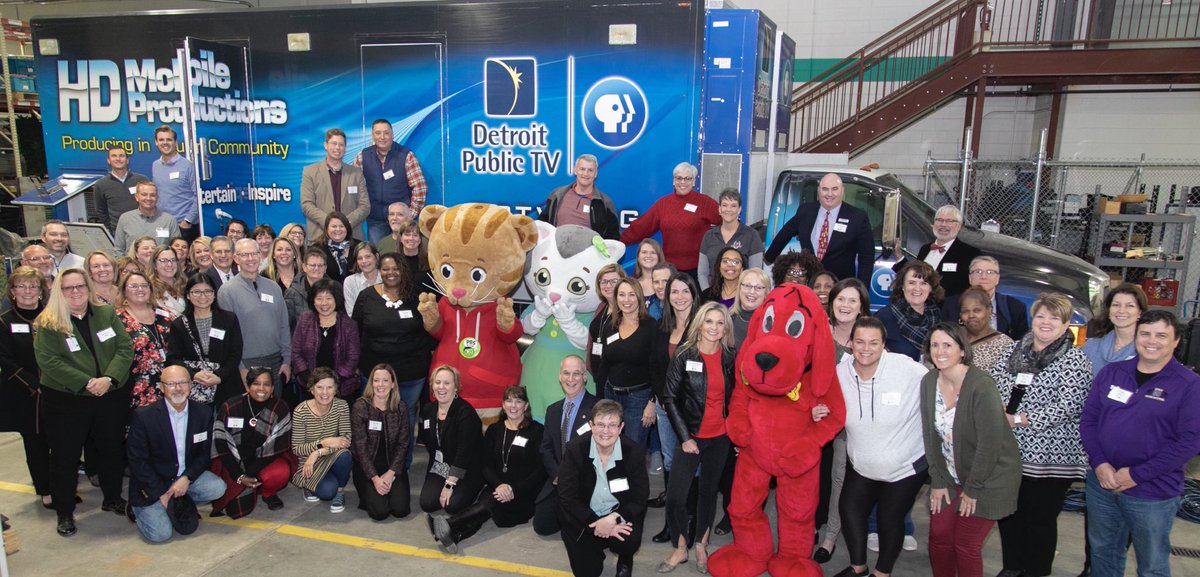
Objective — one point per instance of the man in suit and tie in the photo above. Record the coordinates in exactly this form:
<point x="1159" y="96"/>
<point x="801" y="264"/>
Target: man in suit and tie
<point x="223" y="268"/>
<point x="1009" y="315"/>
<point x="565" y="420"/>
<point x="948" y="255"/>
<point x="330" y="185"/>
<point x="169" y="448"/>
<point x="839" y="234"/>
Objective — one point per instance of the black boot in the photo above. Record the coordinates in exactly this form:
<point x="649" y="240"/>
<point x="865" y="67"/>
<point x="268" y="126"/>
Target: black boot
<point x="661" y="500"/>
<point x="664" y="535"/>
<point x="452" y="530"/>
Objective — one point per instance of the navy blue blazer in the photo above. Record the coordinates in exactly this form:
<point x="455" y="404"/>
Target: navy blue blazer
<point x="958" y="257"/>
<point x="849" y="254"/>
<point x="151" y="449"/>
<point x="552" y="437"/>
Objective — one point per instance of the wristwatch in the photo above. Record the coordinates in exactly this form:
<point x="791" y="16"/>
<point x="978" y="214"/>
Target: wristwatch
<point x="449" y="485"/>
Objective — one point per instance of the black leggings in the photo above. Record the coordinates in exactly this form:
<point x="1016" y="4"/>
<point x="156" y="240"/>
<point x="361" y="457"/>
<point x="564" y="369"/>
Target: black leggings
<point x="711" y="462"/>
<point x="463" y="496"/>
<point x="891" y="502"/>
<point x="1029" y="537"/>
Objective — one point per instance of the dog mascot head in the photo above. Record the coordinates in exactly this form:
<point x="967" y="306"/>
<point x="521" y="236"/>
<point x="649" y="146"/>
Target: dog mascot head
<point x="789" y="345"/>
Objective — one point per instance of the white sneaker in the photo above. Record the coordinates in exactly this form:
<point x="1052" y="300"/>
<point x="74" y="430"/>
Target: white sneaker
<point x="910" y="543"/>
<point x="873" y="542"/>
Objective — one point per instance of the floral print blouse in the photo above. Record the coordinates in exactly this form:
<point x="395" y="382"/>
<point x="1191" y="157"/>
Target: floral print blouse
<point x="149" y="355"/>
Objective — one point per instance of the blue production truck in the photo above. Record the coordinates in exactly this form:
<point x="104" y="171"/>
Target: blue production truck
<point x="495" y="99"/>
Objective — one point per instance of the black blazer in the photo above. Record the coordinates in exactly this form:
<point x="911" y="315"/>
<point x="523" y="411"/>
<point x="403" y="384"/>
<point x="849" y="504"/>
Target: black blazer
<point x="959" y="256"/>
<point x="687" y="391"/>
<point x="577" y="480"/>
<point x="552" y="436"/>
<point x="151" y="449"/>
<point x="1012" y="316"/>
<point x="216" y="276"/>
<point x="847" y="249"/>
<point x="227" y="351"/>
<point x="461" y="438"/>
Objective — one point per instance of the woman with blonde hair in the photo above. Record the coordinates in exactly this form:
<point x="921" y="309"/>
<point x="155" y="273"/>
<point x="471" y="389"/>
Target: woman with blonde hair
<point x="84" y="354"/>
<point x="142" y="250"/>
<point x="102" y="277"/>
<point x="283" y="267"/>
<point x="200" y="255"/>
<point x="168" y="280"/>
<point x="294" y="232"/>
<point x="380" y="431"/>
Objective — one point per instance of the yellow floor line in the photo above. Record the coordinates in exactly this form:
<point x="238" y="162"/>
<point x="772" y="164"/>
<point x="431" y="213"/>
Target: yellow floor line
<point x="358" y="542"/>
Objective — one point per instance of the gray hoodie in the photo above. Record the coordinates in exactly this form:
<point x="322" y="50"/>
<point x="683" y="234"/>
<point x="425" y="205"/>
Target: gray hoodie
<point x="883" y="418"/>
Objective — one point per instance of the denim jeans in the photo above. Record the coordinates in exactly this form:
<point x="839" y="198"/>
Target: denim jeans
<point x="153" y="521"/>
<point x="634" y="404"/>
<point x="335" y="478"/>
<point x="666" y="437"/>
<point x="410" y="393"/>
<point x="1113" y="517"/>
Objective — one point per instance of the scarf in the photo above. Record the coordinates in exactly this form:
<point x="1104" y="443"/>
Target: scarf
<point x="914" y="326"/>
<point x="1025" y="360"/>
<point x="270" y="436"/>
<point x="338" y="251"/>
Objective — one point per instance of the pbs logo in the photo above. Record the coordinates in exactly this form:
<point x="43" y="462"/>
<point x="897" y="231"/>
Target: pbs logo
<point x="614" y="112"/>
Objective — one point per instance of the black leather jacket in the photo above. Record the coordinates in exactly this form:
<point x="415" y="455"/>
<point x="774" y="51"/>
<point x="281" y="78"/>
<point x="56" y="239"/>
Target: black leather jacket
<point x="686" y="391"/>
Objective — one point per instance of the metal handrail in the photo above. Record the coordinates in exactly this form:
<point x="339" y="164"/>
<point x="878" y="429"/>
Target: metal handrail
<point x="948" y="31"/>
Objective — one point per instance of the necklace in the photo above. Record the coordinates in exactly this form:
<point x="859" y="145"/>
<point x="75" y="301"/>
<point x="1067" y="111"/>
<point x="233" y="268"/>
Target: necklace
<point x="506" y="448"/>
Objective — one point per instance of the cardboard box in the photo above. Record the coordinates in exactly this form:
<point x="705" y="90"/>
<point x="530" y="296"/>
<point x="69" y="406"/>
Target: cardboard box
<point x="1133" y="198"/>
<point x="1109" y="206"/>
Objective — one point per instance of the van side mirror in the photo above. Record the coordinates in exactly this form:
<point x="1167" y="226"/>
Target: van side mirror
<point x="891" y="219"/>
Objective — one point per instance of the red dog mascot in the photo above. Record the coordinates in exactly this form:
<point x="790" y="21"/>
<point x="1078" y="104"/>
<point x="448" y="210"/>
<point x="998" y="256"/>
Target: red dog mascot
<point x="784" y="368"/>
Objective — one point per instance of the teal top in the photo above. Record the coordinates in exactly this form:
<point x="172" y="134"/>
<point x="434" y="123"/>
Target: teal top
<point x="603" y="502"/>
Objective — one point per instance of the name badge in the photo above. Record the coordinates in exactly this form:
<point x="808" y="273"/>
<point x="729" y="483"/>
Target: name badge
<point x="1025" y="378"/>
<point x="843" y="220"/>
<point x="587" y="209"/>
<point x="173" y="175"/>
<point x="133" y="189"/>
<point x="106" y="334"/>
<point x="161" y="232"/>
<point x="437" y="456"/>
<point x="73" y="344"/>
<point x="612" y="338"/>
<point x="950" y="267"/>
<point x="519" y="441"/>
<point x="618" y="485"/>
<point x="597" y="349"/>
<point x="584" y="428"/>
<point x="266" y="298"/>
<point x="406" y="314"/>
<point x="694" y="366"/>
<point x="839" y="227"/>
<point x="162" y="312"/>
<point x="20" y="328"/>
<point x="235" y="422"/>
<point x="690" y="207"/>
<point x="389" y="175"/>
<point x="427" y="427"/>
<point x="200" y="437"/>
<point x="351" y="190"/>
<point x="1118" y="394"/>
<point x="374" y="425"/>
<point x="891" y="399"/>
<point x="218" y="334"/>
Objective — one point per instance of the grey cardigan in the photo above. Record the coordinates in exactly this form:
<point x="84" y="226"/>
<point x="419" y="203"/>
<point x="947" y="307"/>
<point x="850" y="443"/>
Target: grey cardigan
<point x="985" y="452"/>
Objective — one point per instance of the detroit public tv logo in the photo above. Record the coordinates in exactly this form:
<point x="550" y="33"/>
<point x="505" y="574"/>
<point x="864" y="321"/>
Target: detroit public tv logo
<point x="510" y="87"/>
<point x="614" y="112"/>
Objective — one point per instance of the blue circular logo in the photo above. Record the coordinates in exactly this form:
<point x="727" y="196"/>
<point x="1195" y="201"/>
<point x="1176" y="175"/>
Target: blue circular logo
<point x="881" y="283"/>
<point x="614" y="112"/>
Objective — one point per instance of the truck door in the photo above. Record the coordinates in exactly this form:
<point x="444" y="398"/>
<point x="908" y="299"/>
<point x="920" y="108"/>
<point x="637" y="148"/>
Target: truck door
<point x="219" y="133"/>
<point x="402" y="82"/>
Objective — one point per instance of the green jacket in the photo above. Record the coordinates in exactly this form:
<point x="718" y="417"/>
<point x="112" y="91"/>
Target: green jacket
<point x="69" y="372"/>
<point x="985" y="451"/>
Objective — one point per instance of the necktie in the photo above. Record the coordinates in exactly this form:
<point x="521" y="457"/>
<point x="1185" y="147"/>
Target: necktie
<point x="937" y="247"/>
<point x="566" y="424"/>
<point x="823" y="240"/>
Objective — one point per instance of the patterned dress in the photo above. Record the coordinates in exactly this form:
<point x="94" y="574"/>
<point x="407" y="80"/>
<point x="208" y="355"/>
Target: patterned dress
<point x="149" y="355"/>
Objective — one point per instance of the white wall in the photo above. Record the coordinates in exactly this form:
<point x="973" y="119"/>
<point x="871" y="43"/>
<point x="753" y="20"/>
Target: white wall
<point x="1161" y="125"/>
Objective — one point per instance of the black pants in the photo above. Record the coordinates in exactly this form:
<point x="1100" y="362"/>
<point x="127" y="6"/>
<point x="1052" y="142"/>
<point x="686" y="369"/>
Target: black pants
<point x="586" y="554"/>
<point x="37" y="458"/>
<point x="1029" y="536"/>
<point x="395" y="503"/>
<point x="545" y="514"/>
<point x="891" y="502"/>
<point x="711" y="462"/>
<point x="69" y="419"/>
<point x="464" y="493"/>
<point x="826" y="486"/>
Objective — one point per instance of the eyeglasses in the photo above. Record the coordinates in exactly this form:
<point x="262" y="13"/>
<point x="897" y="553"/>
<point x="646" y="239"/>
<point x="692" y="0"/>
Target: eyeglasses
<point x="731" y="261"/>
<point x="27" y="287"/>
<point x="945" y="221"/>
<point x="606" y="426"/>
<point x="247" y="254"/>
<point x="74" y="288"/>
<point x="572" y="374"/>
<point x="202" y="293"/>
<point x="796" y="272"/>
<point x="167" y="261"/>
<point x="610" y="282"/>
<point x="755" y="288"/>
<point x="985" y="272"/>
<point x="685" y="178"/>
<point x="40" y="258"/>
<point x="135" y="286"/>
<point x="175" y="384"/>
<point x="314" y="265"/>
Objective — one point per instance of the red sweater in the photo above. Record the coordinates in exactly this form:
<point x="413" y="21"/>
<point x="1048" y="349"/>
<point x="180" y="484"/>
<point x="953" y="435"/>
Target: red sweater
<point x="683" y="220"/>
<point x="498" y="363"/>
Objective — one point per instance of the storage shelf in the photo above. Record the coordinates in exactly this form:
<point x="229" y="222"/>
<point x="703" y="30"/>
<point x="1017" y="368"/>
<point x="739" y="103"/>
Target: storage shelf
<point x="1141" y="263"/>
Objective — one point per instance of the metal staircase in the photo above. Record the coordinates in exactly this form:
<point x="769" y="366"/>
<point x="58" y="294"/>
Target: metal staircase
<point x="963" y="47"/>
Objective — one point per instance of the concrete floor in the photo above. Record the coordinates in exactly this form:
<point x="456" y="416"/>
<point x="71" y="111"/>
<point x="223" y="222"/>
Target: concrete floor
<point x="306" y="539"/>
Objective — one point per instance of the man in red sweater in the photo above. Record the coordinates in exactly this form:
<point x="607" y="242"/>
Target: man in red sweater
<point x="682" y="217"/>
